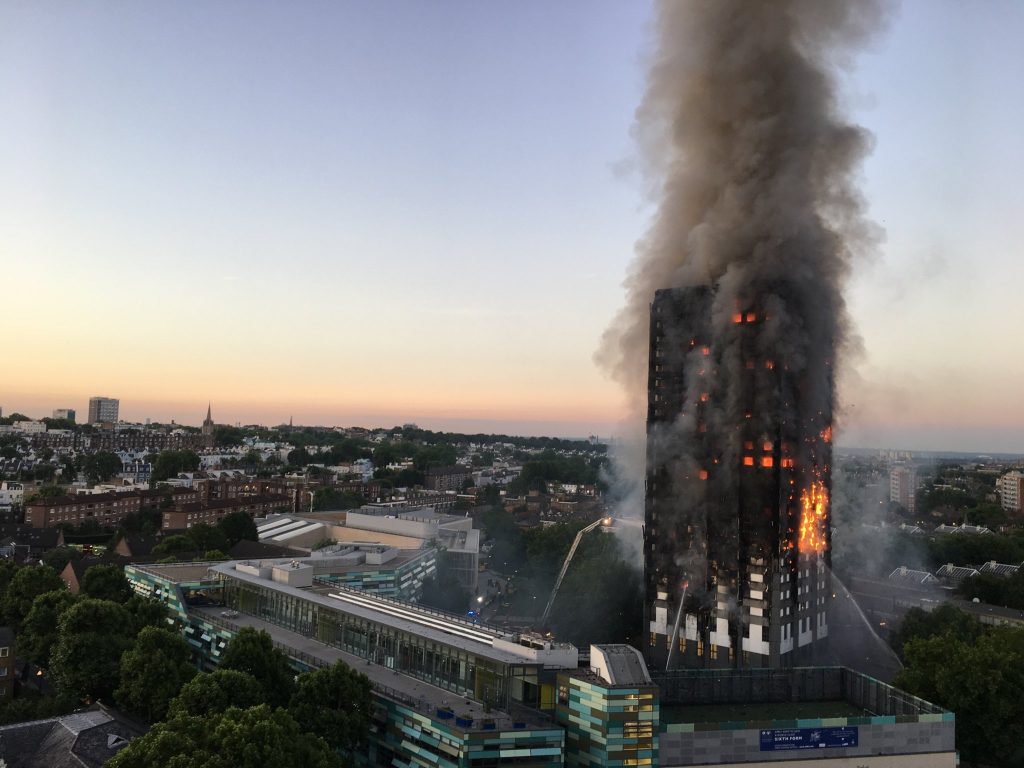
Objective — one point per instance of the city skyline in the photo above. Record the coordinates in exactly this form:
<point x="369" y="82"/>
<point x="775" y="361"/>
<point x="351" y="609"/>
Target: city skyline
<point x="426" y="216"/>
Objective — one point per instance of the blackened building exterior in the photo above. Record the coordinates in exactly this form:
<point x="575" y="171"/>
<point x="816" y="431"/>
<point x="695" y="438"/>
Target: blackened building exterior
<point x="736" y="535"/>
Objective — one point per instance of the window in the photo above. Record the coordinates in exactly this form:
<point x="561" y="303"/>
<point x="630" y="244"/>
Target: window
<point x="4" y="652"/>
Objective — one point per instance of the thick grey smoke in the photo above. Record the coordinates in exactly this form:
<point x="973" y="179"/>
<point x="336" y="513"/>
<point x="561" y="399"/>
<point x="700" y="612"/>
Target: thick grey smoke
<point x="752" y="166"/>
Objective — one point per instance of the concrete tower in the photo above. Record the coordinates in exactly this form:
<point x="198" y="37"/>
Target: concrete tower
<point x="736" y="535"/>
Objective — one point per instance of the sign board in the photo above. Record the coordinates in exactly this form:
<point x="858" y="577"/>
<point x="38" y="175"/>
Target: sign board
<point x="779" y="739"/>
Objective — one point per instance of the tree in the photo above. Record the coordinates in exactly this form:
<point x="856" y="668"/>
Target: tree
<point x="299" y="457"/>
<point x="491" y="496"/>
<point x="335" y="704"/>
<point x="145" y="612"/>
<point x="100" y="466"/>
<point x="44" y="473"/>
<point x="173" y="545"/>
<point x="50" y="491"/>
<point x="31" y="704"/>
<point x="439" y="455"/>
<point x="169" y="463"/>
<point x="996" y="590"/>
<point x="153" y="671"/>
<point x="919" y="624"/>
<point x="205" y="536"/>
<point x="408" y="478"/>
<point x="7" y="570"/>
<point x="981" y="682"/>
<point x="331" y="498"/>
<point x="26" y="585"/>
<point x="237" y="526"/>
<point x="483" y="459"/>
<point x="146" y="520"/>
<point x="213" y="693"/>
<point x="58" y="557"/>
<point x="509" y="546"/>
<point x="91" y="636"/>
<point x="39" y="630"/>
<point x="52" y="424"/>
<point x="238" y="738"/>
<point x="225" y="435"/>
<point x="106" y="582"/>
<point x="253" y="652"/>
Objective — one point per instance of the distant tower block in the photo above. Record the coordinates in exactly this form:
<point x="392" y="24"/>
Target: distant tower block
<point x="103" y="410"/>
<point x="736" y="536"/>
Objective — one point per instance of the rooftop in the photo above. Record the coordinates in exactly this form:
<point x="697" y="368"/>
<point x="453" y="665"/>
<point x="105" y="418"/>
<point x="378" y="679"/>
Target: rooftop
<point x="437" y="626"/>
<point x="619" y="664"/>
<point x="761" y="712"/>
<point x="412" y="692"/>
<point x="179" y="573"/>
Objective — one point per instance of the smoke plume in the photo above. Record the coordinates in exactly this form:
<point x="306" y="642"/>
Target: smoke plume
<point x="752" y="167"/>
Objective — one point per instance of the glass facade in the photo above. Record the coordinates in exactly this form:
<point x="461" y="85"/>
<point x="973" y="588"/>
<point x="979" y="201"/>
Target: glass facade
<point x="405" y="737"/>
<point x="207" y="641"/>
<point x="445" y="666"/>
<point x="403" y="582"/>
<point x="403" y="733"/>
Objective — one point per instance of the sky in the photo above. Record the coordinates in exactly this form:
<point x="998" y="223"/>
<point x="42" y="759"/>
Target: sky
<point x="377" y="213"/>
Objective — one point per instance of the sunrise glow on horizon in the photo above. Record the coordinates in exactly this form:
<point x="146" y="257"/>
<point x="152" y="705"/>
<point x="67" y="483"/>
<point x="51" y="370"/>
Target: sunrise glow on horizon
<point x="426" y="216"/>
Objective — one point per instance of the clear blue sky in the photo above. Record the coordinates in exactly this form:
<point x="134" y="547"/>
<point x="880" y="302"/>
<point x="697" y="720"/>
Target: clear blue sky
<point x="382" y="212"/>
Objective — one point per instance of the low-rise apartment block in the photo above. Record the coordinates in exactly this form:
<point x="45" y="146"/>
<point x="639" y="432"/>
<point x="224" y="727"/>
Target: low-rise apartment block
<point x="212" y="512"/>
<point x="107" y="509"/>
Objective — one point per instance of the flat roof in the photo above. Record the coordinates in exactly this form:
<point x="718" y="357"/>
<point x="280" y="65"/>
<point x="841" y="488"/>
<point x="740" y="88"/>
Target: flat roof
<point x="403" y="557"/>
<point x="724" y="713"/>
<point x="178" y="572"/>
<point x="405" y="617"/>
<point x="418" y="694"/>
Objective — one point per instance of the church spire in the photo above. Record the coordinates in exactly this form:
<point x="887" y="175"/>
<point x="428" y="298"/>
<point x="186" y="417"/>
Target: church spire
<point x="208" y="426"/>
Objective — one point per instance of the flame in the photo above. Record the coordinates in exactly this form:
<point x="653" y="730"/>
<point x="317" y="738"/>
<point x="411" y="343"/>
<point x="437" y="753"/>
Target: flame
<point x="813" y="518"/>
<point x="826" y="434"/>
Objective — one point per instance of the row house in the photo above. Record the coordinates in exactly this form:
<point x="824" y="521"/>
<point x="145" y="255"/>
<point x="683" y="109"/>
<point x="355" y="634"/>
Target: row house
<point x="214" y="511"/>
<point x="107" y="509"/>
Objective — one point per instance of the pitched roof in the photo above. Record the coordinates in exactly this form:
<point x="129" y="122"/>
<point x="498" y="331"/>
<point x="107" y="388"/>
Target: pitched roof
<point x="41" y="538"/>
<point x="89" y="737"/>
<point x="140" y="544"/>
<point x="909" y="576"/>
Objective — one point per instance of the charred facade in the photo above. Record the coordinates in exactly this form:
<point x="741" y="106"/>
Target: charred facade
<point x="736" y="535"/>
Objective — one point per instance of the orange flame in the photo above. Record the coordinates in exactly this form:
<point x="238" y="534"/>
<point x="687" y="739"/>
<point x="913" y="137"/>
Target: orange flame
<point x="813" y="517"/>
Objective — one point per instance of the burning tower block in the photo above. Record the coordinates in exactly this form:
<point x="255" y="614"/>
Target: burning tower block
<point x="736" y="536"/>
